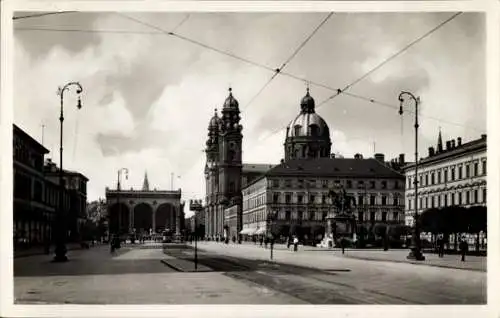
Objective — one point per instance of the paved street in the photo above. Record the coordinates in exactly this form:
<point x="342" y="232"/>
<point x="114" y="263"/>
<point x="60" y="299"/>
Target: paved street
<point x="237" y="274"/>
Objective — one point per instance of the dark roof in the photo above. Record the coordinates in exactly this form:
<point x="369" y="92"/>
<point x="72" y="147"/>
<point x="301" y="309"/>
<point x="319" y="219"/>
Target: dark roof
<point x="24" y="135"/>
<point x="256" y="167"/>
<point x="335" y="167"/>
<point x="471" y="146"/>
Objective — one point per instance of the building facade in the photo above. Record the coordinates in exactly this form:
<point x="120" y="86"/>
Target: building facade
<point x="296" y="194"/>
<point x="36" y="193"/>
<point x="225" y="174"/>
<point x="450" y="175"/>
<point x="145" y="210"/>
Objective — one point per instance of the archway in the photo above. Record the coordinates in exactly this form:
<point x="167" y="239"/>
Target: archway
<point x="165" y="217"/>
<point x="118" y="218"/>
<point x="143" y="217"/>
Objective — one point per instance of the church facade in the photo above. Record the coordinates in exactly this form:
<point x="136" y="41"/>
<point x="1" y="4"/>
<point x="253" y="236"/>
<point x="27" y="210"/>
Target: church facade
<point x="225" y="174"/>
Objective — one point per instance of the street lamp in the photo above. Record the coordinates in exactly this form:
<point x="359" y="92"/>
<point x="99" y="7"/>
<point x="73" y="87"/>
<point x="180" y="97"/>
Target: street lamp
<point x="415" y="251"/>
<point x="60" y="250"/>
<point x="118" y="189"/>
<point x="196" y="206"/>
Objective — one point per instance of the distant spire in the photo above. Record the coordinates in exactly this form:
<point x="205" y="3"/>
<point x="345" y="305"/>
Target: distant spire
<point x="145" y="184"/>
<point x="440" y="141"/>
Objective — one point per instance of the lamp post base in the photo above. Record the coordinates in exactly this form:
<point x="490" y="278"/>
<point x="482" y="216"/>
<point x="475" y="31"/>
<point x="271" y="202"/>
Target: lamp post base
<point x="415" y="254"/>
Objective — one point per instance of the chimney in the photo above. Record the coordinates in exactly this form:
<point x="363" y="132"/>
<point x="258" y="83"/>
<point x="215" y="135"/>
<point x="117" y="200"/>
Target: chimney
<point x="453" y="144"/>
<point x="380" y="157"/>
<point x="448" y="145"/>
<point x="431" y="151"/>
<point x="402" y="159"/>
<point x="459" y="141"/>
<point x="358" y="156"/>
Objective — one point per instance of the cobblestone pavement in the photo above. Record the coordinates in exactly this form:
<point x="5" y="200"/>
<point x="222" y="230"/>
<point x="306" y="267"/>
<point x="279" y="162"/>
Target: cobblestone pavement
<point x="131" y="276"/>
<point x="408" y="283"/>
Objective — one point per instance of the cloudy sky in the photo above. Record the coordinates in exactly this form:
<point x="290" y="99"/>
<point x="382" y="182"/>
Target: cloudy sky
<point x="148" y="96"/>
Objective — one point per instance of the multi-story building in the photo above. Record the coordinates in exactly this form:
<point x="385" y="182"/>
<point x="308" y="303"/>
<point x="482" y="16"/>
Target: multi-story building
<point x="455" y="175"/>
<point x="36" y="192"/>
<point x="296" y="192"/>
<point x="75" y="184"/>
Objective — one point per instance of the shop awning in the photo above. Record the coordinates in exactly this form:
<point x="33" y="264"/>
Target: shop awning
<point x="260" y="231"/>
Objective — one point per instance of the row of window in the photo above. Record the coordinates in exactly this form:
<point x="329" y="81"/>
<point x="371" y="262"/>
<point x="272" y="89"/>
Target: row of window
<point x="29" y="188"/>
<point x="324" y="199"/>
<point x="444" y="200"/>
<point x="24" y="154"/>
<point x="455" y="173"/>
<point x="348" y="184"/>
<point x="260" y="216"/>
<point x="254" y="202"/>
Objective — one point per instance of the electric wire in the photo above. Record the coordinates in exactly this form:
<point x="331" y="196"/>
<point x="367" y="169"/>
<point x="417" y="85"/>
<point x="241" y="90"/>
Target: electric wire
<point x="37" y="15"/>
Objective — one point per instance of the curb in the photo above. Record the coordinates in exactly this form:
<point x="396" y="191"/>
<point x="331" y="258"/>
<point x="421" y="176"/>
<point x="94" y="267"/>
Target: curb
<point x="178" y="269"/>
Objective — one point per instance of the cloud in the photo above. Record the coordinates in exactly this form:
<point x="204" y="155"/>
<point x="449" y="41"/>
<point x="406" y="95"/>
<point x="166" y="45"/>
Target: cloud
<point x="147" y="99"/>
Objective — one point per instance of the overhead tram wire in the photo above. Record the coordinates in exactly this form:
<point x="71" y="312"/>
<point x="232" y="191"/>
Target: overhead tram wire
<point x="41" y="15"/>
<point x="284" y="64"/>
<point x="393" y="56"/>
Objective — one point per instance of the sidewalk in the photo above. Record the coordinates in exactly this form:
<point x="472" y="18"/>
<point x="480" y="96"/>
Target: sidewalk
<point x="135" y="276"/>
<point x="474" y="263"/>
<point x="38" y="250"/>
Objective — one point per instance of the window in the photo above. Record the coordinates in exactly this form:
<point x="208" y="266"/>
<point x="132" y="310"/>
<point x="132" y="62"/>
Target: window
<point x="372" y="200"/>
<point x="459" y="198"/>
<point x="276" y="183"/>
<point x="360" y="216"/>
<point x="476" y="169"/>
<point x="445" y="176"/>
<point x="432" y="201"/>
<point x="288" y="183"/>
<point x="395" y="216"/>
<point x="299" y="198"/>
<point x="372" y="184"/>
<point x="445" y="200"/>
<point x="384" y="184"/>
<point x="231" y="187"/>
<point x="276" y="198"/>
<point x="384" y="216"/>
<point x="372" y="216"/>
<point x="360" y="200"/>
<point x="484" y="195"/>
<point x="396" y="185"/>
<point x="432" y="179"/>
<point x="395" y="201"/>
<point x="460" y="172"/>
<point x="312" y="198"/>
<point x="484" y="167"/>
<point x="288" y="198"/>
<point x="323" y="199"/>
<point x="426" y="202"/>
<point x="409" y="182"/>
<point x="297" y="130"/>
<point x="409" y="204"/>
<point x="467" y="198"/>
<point x="324" y="183"/>
<point x="349" y="184"/>
<point x="452" y="174"/>
<point x="439" y="177"/>
<point x="452" y="202"/>
<point x="384" y="200"/>
<point x="300" y="183"/>
<point x="421" y="180"/>
<point x="419" y="203"/>
<point x="426" y="179"/>
<point x="314" y="130"/>
<point x="287" y="215"/>
<point x="467" y="171"/>
<point x="476" y="199"/>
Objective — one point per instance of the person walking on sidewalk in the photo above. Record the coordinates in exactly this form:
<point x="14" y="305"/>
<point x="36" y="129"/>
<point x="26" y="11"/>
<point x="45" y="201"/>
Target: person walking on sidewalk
<point x="295" y="244"/>
<point x="440" y="243"/>
<point x="463" y="248"/>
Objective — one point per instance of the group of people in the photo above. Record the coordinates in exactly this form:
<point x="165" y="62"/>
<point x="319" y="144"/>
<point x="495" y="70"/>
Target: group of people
<point x="463" y="246"/>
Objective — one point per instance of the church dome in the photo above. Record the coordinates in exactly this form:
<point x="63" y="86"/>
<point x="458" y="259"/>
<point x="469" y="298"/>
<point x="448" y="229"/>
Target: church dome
<point x="231" y="102"/>
<point x="308" y="125"/>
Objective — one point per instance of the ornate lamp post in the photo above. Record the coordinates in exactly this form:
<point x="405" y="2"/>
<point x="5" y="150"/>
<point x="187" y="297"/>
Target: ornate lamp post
<point x="415" y="251"/>
<point x="118" y="189"/>
<point x="60" y="250"/>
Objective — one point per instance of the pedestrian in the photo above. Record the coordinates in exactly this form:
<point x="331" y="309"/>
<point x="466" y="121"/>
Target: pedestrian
<point x="266" y="240"/>
<point x="438" y="245"/>
<point x="463" y="248"/>
<point x="288" y="242"/>
<point x="342" y="245"/>
<point x="261" y="239"/>
<point x="295" y="244"/>
<point x="441" y="245"/>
